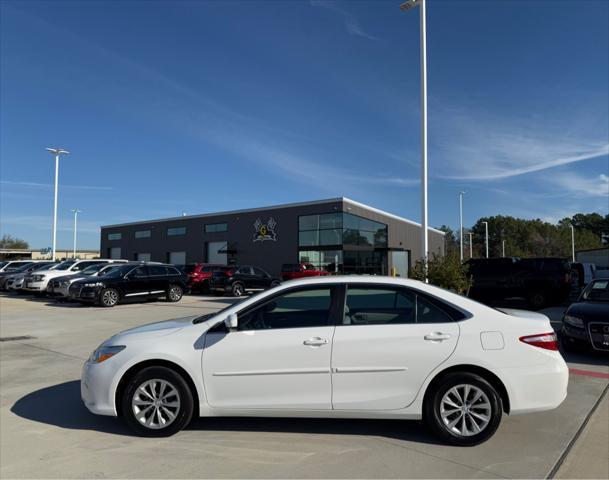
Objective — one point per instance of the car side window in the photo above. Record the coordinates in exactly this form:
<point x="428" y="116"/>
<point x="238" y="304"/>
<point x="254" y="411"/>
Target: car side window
<point x="155" y="270"/>
<point x="379" y="306"/>
<point x="260" y="273"/>
<point x="139" y="272"/>
<point x="245" y="271"/>
<point x="302" y="308"/>
<point x="427" y="312"/>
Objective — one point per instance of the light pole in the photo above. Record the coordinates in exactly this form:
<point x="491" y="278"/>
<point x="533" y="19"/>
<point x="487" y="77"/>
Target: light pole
<point x="76" y="211"/>
<point x="423" y="45"/>
<point x="57" y="152"/>
<point x="471" y="245"/>
<point x="461" y="224"/>
<point x="486" y="237"/>
<point x="503" y="248"/>
<point x="572" y="243"/>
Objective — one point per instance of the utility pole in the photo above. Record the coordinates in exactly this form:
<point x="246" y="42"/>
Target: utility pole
<point x="423" y="47"/>
<point x="486" y="237"/>
<point x="461" y="224"/>
<point x="76" y="211"/>
<point x="57" y="152"/>
<point x="471" y="245"/>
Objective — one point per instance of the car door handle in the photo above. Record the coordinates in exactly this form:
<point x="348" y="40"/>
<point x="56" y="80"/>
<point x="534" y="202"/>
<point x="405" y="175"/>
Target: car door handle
<point x="437" y="337"/>
<point x="315" y="342"/>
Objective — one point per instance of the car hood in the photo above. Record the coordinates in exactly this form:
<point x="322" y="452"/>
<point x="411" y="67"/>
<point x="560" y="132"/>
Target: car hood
<point x="157" y="329"/>
<point x="54" y="273"/>
<point x="590" y="311"/>
<point x="524" y="314"/>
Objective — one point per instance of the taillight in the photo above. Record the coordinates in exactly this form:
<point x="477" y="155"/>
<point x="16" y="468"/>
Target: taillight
<point x="548" y="341"/>
<point x="229" y="273"/>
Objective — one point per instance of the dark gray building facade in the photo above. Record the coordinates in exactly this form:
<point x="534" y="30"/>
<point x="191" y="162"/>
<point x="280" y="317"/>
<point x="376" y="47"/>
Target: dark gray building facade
<point x="339" y="235"/>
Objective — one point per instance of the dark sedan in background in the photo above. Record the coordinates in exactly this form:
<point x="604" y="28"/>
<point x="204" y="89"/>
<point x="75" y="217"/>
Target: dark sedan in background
<point x="586" y="322"/>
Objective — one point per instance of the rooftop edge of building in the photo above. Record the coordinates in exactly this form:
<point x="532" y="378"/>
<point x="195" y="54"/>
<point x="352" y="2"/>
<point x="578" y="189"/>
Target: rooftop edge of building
<point x="275" y="207"/>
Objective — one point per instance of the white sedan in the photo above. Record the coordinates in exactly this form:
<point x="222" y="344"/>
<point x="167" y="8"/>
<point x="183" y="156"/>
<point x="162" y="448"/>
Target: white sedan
<point x="340" y="347"/>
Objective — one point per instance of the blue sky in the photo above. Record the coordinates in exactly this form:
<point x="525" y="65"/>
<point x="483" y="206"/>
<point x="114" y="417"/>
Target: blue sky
<point x="171" y="107"/>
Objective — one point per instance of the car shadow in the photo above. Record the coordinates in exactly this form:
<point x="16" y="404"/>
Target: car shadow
<point x="60" y="405"/>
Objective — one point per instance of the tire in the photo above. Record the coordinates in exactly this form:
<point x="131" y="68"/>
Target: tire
<point x="176" y="410"/>
<point x="538" y="300"/>
<point x="174" y="293"/>
<point x="439" y="418"/>
<point x="274" y="284"/>
<point x="237" y="290"/>
<point x="108" y="297"/>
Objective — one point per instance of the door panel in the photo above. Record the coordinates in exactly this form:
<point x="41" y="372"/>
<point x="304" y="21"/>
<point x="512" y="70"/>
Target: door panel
<point x="380" y="354"/>
<point x="382" y="367"/>
<point x="279" y="358"/>
<point x="137" y="285"/>
<point x="268" y="369"/>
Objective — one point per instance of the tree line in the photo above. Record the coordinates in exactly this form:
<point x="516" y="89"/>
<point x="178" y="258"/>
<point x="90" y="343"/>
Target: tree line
<point x="530" y="238"/>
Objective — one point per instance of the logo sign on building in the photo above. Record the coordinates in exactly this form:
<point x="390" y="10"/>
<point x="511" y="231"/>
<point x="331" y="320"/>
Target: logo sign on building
<point x="265" y="231"/>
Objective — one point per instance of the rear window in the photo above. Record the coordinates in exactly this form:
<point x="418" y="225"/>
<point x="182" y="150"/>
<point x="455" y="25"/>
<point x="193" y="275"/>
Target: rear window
<point x="597" y="291"/>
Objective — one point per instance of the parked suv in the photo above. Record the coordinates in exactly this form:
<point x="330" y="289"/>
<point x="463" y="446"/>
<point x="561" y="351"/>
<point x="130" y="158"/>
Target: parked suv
<point x="290" y="271"/>
<point x="9" y="278"/>
<point x="131" y="281"/>
<point x="542" y="281"/>
<point x="199" y="275"/>
<point x="59" y="287"/>
<point x="39" y="281"/>
<point x="237" y="280"/>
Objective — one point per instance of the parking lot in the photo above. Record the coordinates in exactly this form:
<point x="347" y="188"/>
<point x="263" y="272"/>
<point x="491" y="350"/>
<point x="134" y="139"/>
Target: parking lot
<point x="47" y="432"/>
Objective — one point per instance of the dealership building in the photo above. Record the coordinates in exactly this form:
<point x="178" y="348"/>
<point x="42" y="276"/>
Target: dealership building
<point x="338" y="235"/>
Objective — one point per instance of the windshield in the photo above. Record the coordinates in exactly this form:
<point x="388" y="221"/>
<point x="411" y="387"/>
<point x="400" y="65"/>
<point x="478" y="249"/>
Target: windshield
<point x="94" y="268"/>
<point x="119" y="271"/>
<point x="64" y="265"/>
<point x="597" y="291"/>
<point x="207" y="316"/>
<point x="21" y="267"/>
<point x="106" y="271"/>
<point x="42" y="266"/>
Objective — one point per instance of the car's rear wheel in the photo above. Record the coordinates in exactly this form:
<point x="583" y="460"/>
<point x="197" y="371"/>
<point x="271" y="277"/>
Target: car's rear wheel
<point x="237" y="289"/>
<point x="174" y="293"/>
<point x="157" y="402"/>
<point x="274" y="284"/>
<point x="108" y="297"/>
<point x="463" y="409"/>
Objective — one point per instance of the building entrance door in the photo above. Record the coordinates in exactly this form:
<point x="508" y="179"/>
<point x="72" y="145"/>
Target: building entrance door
<point x="216" y="252"/>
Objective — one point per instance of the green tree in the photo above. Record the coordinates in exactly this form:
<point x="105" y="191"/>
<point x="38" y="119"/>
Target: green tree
<point x="445" y="271"/>
<point x="451" y="243"/>
<point x="8" y="241"/>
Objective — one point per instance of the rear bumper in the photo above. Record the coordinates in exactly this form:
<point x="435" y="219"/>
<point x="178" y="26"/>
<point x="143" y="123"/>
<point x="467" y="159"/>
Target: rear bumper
<point x="536" y="388"/>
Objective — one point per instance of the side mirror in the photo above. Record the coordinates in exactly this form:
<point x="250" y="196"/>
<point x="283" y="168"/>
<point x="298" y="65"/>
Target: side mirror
<point x="231" y="321"/>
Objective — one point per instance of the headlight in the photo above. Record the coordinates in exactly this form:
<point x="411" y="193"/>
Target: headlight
<point x="574" y="321"/>
<point x="38" y="278"/>
<point x="93" y="284"/>
<point x="103" y="353"/>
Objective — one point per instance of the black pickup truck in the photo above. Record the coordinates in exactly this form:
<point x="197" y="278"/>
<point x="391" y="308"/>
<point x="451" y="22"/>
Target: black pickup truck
<point x="541" y="281"/>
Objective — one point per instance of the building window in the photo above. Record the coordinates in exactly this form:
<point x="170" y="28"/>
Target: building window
<point x="176" y="231"/>
<point x="330" y="229"/>
<point x="115" y="236"/>
<point x="142" y="257"/>
<point x="143" y="233"/>
<point x="216" y="227"/>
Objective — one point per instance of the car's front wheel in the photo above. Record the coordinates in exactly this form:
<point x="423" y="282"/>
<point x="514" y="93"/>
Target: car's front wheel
<point x="108" y="297"/>
<point x="463" y="409"/>
<point x="157" y="402"/>
<point x="237" y="289"/>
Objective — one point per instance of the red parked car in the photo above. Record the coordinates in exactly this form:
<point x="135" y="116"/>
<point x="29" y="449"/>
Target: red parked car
<point x="199" y="275"/>
<point x="290" y="271"/>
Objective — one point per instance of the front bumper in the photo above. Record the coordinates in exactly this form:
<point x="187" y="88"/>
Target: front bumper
<point x="95" y="382"/>
<point x="32" y="286"/>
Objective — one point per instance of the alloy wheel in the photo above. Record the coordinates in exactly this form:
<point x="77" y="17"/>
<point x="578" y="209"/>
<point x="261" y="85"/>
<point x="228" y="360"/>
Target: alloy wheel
<point x="110" y="297"/>
<point x="465" y="410"/>
<point x="175" y="293"/>
<point x="156" y="404"/>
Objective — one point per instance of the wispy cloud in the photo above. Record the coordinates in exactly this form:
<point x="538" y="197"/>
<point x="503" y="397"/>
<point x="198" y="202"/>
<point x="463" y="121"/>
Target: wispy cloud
<point x="582" y="186"/>
<point x="351" y="23"/>
<point x="479" y="146"/>
<point x="42" y="222"/>
<point x="48" y="185"/>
